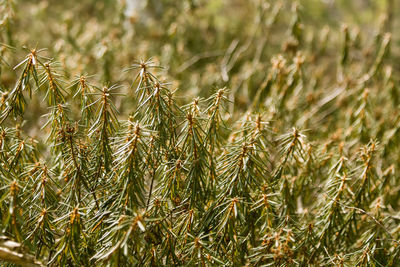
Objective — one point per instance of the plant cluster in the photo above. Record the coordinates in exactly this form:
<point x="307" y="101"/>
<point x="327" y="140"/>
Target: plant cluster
<point x="286" y="155"/>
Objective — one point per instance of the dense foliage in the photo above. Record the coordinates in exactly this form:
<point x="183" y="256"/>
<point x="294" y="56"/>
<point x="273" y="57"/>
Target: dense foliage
<point x="259" y="133"/>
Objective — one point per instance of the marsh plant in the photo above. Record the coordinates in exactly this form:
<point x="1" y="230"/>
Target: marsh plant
<point x="277" y="146"/>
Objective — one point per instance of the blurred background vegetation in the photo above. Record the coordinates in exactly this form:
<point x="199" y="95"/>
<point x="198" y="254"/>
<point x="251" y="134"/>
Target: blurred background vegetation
<point x="193" y="35"/>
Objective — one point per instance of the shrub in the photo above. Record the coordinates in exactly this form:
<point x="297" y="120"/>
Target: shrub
<point x="286" y="155"/>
